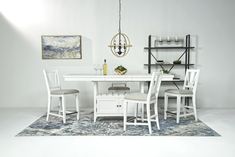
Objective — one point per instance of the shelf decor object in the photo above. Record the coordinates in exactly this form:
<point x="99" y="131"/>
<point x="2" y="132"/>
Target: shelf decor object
<point x="120" y="43"/>
<point x="120" y="70"/>
<point x="61" y="47"/>
<point x="177" y="62"/>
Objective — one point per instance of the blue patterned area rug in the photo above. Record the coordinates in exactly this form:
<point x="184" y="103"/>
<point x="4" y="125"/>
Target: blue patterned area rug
<point x="114" y="127"/>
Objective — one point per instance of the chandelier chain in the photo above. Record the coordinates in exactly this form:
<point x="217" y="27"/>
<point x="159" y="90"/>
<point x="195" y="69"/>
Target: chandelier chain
<point x="120" y="3"/>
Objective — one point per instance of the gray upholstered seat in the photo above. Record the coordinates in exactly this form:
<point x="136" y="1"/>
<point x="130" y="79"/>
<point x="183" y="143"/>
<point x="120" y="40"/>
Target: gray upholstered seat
<point x="179" y="91"/>
<point x="138" y="96"/>
<point x="64" y="91"/>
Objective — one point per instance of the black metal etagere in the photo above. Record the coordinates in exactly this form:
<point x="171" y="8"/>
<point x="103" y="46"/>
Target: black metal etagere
<point x="186" y="53"/>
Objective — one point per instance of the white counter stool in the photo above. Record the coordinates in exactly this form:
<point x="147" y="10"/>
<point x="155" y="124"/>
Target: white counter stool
<point x="188" y="91"/>
<point x="144" y="98"/>
<point x="54" y="90"/>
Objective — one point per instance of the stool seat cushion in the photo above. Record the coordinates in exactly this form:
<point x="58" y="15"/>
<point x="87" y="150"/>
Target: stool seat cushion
<point x="64" y="91"/>
<point x="179" y="91"/>
<point x="138" y="97"/>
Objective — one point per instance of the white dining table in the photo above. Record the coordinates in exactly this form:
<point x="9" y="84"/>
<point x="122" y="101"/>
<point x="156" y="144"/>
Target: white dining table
<point x="141" y="78"/>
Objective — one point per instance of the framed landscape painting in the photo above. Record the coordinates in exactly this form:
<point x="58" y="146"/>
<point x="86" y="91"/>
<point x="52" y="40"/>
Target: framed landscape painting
<point x="61" y="47"/>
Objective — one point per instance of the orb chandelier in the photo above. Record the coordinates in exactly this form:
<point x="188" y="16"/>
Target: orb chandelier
<point x="120" y="43"/>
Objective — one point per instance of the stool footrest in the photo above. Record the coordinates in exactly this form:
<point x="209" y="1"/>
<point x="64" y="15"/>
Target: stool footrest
<point x="136" y="123"/>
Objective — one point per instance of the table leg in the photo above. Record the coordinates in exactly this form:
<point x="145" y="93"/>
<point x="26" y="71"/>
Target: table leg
<point x="142" y="105"/>
<point x="95" y="84"/>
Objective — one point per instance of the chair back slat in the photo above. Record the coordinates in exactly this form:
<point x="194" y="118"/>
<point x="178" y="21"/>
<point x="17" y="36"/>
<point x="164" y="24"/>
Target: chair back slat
<point x="191" y="79"/>
<point x="52" y="79"/>
<point x="154" y="85"/>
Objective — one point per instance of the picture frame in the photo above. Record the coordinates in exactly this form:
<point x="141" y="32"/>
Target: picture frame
<point x="61" y="46"/>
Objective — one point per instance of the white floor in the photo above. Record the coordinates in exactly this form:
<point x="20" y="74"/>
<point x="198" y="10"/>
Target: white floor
<point x="13" y="121"/>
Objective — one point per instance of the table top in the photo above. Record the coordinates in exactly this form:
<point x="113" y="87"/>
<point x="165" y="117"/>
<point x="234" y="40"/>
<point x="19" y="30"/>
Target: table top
<point x="129" y="77"/>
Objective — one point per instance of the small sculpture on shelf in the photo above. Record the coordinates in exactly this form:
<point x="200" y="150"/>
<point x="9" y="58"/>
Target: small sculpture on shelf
<point x="164" y="71"/>
<point x="169" y="40"/>
<point x="177" y="62"/>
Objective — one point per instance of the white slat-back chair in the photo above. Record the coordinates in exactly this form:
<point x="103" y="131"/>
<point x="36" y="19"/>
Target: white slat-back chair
<point x="54" y="90"/>
<point x="144" y="98"/>
<point x="189" y="91"/>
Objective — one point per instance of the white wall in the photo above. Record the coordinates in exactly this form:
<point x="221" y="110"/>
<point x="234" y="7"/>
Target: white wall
<point x="21" y="25"/>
